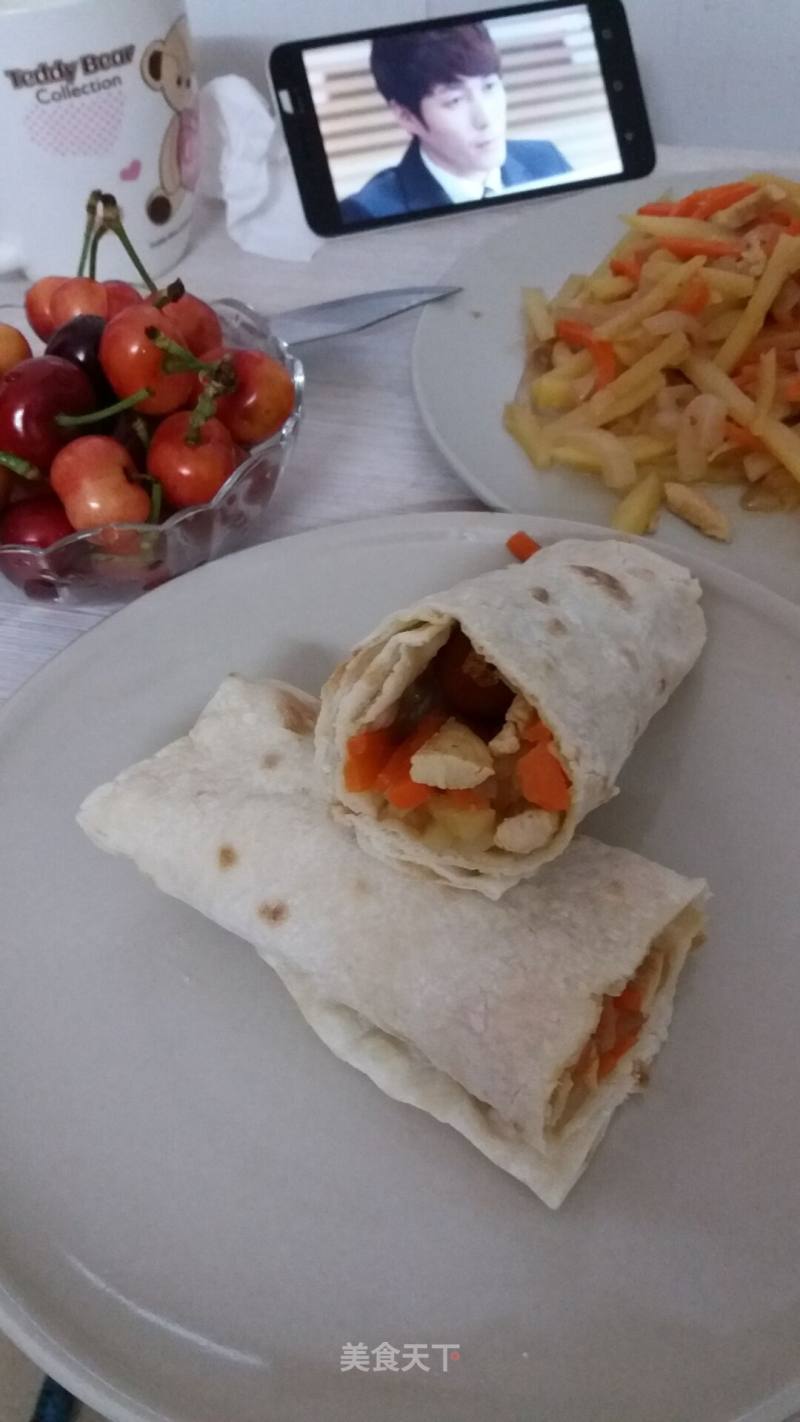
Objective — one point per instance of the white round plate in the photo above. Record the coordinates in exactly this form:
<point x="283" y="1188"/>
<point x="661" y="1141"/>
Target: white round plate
<point x="468" y="357"/>
<point x="201" y="1207"/>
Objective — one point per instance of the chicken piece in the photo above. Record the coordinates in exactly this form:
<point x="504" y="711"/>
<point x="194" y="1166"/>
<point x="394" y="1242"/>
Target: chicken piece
<point x="453" y="759"/>
<point x="521" y="834"/>
<point x="507" y="741"/>
<point x="695" y="508"/>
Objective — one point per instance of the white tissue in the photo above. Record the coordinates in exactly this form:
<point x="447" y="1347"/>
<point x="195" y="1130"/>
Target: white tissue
<point x="246" y="164"/>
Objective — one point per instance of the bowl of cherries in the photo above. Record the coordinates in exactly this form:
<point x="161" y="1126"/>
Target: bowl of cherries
<point x="146" y="438"/>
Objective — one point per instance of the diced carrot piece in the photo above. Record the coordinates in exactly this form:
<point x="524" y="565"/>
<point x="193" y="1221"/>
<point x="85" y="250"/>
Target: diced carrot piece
<point x="608" y="1060"/>
<point x="522" y="546"/>
<point x="630" y="998"/>
<point x="397" y="769"/>
<point x="536" y="732"/>
<point x="694" y="297"/>
<point x="367" y="753"/>
<point x="685" y="247"/>
<point x="657" y="209"/>
<point x="405" y="794"/>
<point x="543" y="780"/>
<point x="737" y="434"/>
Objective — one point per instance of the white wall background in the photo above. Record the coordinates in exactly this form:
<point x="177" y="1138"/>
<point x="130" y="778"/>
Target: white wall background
<point x="715" y="71"/>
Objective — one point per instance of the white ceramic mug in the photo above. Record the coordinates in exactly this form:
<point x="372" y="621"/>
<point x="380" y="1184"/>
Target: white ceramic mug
<point x="95" y="94"/>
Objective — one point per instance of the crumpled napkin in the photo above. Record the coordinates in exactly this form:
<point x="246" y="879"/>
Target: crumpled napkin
<point x="246" y="164"/>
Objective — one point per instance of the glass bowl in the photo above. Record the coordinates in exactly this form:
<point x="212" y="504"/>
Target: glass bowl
<point x="121" y="560"/>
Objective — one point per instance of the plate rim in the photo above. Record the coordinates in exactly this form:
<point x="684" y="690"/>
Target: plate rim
<point x="40" y="1342"/>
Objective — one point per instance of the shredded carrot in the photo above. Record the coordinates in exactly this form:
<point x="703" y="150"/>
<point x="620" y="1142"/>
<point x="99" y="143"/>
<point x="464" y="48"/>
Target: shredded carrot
<point x="536" y="732"/>
<point x="737" y="434"/>
<point x="395" y="777"/>
<point x="578" y="333"/>
<point x="367" y="753"/>
<point x="522" y="546"/>
<point x="685" y="247"/>
<point x="608" y="1060"/>
<point x="543" y="780"/>
<point x="685" y="206"/>
<point x="629" y="266"/>
<point x="630" y="998"/>
<point x="657" y="209"/>
<point x="711" y="200"/>
<point x="694" y="298"/>
<point x="704" y="202"/>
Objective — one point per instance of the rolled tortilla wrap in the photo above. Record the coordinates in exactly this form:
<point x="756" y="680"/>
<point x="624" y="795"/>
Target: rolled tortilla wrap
<point x="581" y="645"/>
<point x="485" y="1015"/>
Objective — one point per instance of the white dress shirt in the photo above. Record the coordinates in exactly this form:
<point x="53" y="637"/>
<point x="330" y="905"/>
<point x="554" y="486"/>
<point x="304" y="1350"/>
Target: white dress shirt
<point x="464" y="189"/>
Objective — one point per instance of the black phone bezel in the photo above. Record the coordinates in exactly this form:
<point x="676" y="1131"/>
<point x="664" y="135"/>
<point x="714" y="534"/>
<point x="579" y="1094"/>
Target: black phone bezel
<point x="304" y="138"/>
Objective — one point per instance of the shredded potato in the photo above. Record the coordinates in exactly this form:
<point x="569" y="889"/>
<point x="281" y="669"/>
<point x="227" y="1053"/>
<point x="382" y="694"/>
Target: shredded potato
<point x="676" y="362"/>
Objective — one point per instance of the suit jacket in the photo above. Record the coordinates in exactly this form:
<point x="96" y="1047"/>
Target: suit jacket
<point x="410" y="186"/>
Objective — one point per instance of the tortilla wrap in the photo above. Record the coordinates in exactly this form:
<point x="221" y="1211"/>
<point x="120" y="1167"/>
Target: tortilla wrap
<point x="594" y="636"/>
<point x="469" y="1010"/>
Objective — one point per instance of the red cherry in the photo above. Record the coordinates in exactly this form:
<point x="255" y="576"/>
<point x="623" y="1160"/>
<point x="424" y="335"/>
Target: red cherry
<point x="80" y="296"/>
<point x="13" y="348"/>
<point x="263" y="399"/>
<point x="36" y="522"/>
<point x="120" y="295"/>
<point x="191" y="473"/>
<point x="31" y="395"/>
<point x="198" y="322"/>
<point x="132" y="361"/>
<point x="37" y="304"/>
<point x="94" y="476"/>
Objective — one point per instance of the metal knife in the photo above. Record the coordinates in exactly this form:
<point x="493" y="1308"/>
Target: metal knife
<point x="330" y="318"/>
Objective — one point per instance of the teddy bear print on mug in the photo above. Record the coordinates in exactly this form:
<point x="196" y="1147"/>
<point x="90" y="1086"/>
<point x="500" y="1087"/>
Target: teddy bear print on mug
<point x="167" y="67"/>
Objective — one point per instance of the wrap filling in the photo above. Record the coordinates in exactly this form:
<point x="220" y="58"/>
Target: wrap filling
<point x="466" y="763"/>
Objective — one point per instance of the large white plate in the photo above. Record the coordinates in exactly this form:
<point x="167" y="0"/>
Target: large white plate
<point x="200" y="1206"/>
<point x="468" y="357"/>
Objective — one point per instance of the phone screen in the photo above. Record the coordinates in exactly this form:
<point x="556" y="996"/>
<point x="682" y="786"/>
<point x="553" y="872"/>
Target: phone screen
<point x="423" y="118"/>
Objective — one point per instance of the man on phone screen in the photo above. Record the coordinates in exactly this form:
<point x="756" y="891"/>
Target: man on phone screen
<point x="444" y="87"/>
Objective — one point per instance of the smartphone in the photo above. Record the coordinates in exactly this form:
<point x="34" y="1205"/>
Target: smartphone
<point x="409" y="121"/>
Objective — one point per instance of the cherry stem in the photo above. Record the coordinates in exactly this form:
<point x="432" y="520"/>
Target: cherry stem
<point x="156" y="497"/>
<point x="23" y="467"/>
<point x="204" y="410"/>
<point x="221" y="382"/>
<point x="178" y="358"/>
<point x="173" y="292"/>
<point x="113" y="221"/>
<point x="94" y="416"/>
<point x="93" y="246"/>
<point x="92" y="203"/>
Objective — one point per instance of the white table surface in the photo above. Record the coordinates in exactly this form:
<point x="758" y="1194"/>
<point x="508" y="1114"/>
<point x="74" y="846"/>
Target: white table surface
<point x="362" y="449"/>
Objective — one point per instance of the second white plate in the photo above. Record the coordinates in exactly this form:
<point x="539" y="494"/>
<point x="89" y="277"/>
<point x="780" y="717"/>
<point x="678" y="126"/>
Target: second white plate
<point x="468" y="357"/>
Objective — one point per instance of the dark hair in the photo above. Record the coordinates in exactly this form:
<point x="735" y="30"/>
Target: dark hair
<point x="407" y="67"/>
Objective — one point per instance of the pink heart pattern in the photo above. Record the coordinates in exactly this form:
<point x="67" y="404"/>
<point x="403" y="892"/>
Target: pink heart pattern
<point x="90" y="126"/>
<point x="130" y="173"/>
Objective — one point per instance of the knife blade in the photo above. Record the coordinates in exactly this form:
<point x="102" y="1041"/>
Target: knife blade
<point x="331" y="318"/>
